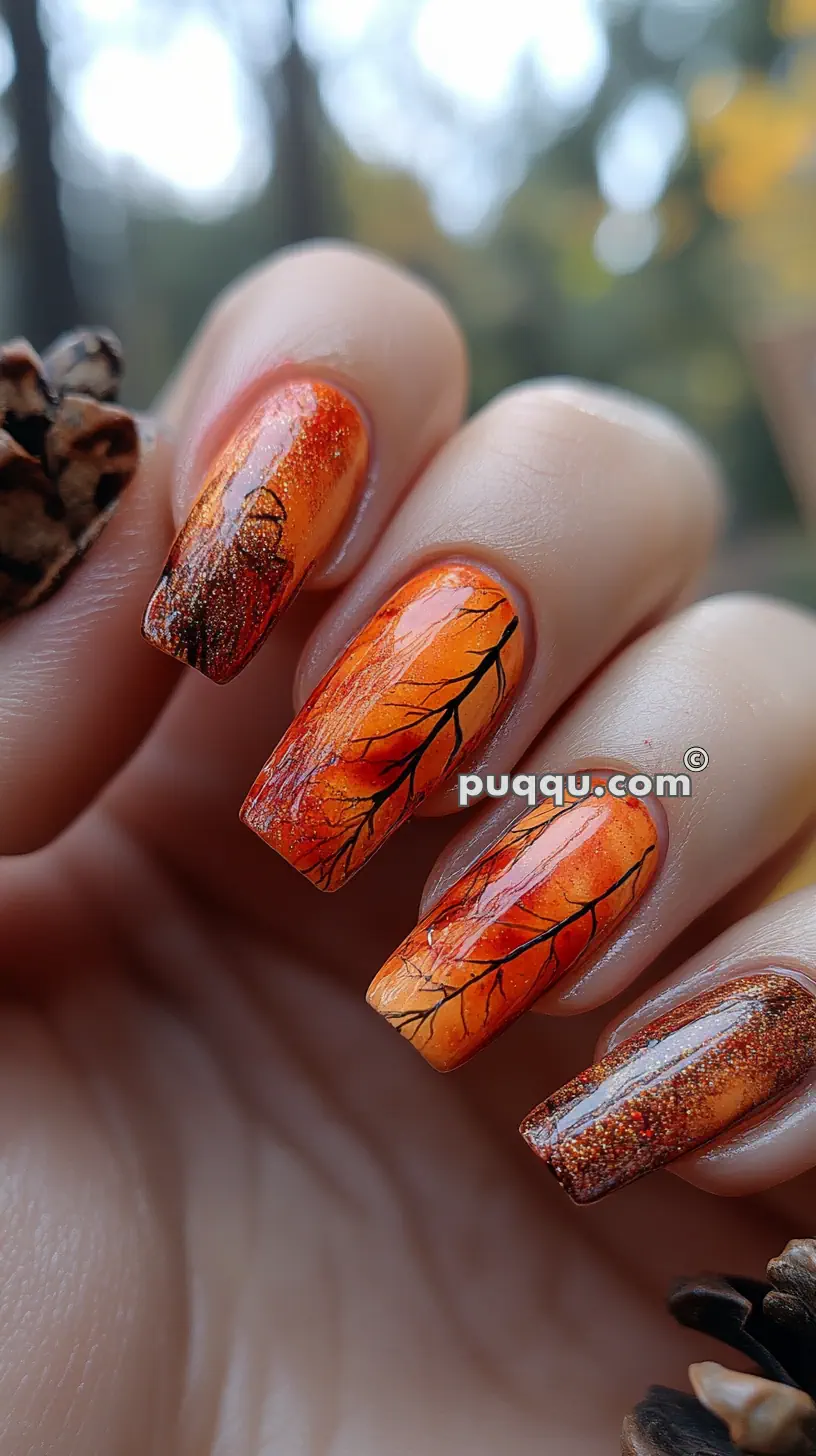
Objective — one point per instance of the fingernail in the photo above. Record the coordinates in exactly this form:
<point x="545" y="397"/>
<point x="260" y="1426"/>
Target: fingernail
<point x="415" y="693"/>
<point x="675" y="1085"/>
<point x="554" y="887"/>
<point x="270" y="506"/>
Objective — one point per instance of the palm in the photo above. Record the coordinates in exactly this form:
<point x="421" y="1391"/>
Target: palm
<point x="240" y="1214"/>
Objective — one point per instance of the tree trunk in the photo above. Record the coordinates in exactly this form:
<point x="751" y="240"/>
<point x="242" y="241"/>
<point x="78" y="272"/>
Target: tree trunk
<point x="301" y="182"/>
<point x="48" y="296"/>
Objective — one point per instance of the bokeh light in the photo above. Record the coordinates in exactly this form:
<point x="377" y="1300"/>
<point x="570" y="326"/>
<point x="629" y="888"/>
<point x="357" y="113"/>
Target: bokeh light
<point x="624" y="189"/>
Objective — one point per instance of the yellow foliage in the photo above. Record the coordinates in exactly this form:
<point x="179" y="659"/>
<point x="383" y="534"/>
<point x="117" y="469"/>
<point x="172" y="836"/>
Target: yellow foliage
<point x="779" y="241"/>
<point x="756" y="139"/>
<point x="793" y="17"/>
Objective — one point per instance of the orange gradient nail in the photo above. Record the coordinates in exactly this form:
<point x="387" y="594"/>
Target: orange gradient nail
<point x="269" y="508"/>
<point x="415" y="693"/>
<point x="550" y="891"/>
<point x="675" y="1085"/>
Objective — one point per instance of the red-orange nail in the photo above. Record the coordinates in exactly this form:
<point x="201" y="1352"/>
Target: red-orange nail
<point x="269" y="508"/>
<point x="672" y="1087"/>
<point x="555" y="886"/>
<point x="415" y="693"/>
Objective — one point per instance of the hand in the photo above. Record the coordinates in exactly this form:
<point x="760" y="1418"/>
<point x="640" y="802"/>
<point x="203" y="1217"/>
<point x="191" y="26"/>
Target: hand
<point x="241" y="1214"/>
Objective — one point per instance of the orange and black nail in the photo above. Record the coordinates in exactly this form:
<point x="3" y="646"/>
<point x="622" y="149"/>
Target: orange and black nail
<point x="550" y="891"/>
<point x="415" y="693"/>
<point x="677" y="1084"/>
<point x="269" y="508"/>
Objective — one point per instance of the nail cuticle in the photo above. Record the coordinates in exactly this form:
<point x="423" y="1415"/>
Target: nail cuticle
<point x="711" y="978"/>
<point x="195" y="459"/>
<point x="494" y="825"/>
<point x="359" y="615"/>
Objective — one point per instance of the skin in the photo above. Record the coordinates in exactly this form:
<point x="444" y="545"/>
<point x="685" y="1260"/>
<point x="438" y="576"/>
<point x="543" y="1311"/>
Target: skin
<point x="240" y="1213"/>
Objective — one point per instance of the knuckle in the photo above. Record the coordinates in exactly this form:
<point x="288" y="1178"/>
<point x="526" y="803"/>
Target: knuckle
<point x="746" y="657"/>
<point x="748" y="622"/>
<point x="579" y="420"/>
<point x="334" y="280"/>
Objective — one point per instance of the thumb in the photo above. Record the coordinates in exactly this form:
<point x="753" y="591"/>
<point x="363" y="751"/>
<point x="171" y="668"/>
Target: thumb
<point x="79" y="688"/>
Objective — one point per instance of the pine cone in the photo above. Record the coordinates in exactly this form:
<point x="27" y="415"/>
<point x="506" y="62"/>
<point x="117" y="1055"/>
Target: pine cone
<point x="66" y="454"/>
<point x="771" y="1413"/>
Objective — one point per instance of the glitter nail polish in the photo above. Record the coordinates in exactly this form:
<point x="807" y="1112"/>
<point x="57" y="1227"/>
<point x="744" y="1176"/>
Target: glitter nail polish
<point x="676" y="1084"/>
<point x="270" y="507"/>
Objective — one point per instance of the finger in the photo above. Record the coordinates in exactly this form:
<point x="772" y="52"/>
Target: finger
<point x="715" y="1068"/>
<point x="540" y="537"/>
<point x="783" y="363"/>
<point x="317" y="443"/>
<point x="581" y="894"/>
<point x="80" y="687"/>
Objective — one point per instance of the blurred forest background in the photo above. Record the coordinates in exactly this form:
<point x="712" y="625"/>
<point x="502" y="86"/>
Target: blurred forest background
<point x="619" y="189"/>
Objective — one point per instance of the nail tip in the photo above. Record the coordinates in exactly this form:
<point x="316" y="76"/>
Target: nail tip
<point x="530" y="1129"/>
<point x="252" y="819"/>
<point x="166" y="648"/>
<point x="377" y="998"/>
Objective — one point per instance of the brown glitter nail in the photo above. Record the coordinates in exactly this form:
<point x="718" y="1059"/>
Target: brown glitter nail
<point x="677" y="1084"/>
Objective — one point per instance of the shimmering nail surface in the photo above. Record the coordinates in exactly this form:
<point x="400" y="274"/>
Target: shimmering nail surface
<point x="677" y="1084"/>
<point x="417" y="691"/>
<point x="554" y="887"/>
<point x="271" y="505"/>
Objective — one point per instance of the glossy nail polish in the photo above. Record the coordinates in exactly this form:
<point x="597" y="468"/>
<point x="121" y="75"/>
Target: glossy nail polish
<point x="415" y="693"/>
<point x="551" y="890"/>
<point x="677" y="1084"/>
<point x="270" y="506"/>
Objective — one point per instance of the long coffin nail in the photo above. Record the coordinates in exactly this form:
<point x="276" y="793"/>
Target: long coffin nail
<point x="414" y="694"/>
<point x="675" y="1085"/>
<point x="270" y="506"/>
<point x="551" y="890"/>
<point x="66" y="454"/>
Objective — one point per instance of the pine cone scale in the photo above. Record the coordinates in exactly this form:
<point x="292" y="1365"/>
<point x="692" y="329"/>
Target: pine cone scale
<point x="66" y="454"/>
<point x="773" y="1322"/>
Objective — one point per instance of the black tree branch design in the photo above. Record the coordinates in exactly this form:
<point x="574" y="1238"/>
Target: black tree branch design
<point x="359" y="814"/>
<point x="412" y="1020"/>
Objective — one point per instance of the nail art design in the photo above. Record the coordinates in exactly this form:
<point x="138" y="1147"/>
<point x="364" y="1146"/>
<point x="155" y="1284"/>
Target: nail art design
<point x="415" y="693"/>
<point x="677" y="1084"/>
<point x="66" y="455"/>
<point x="269" y="509"/>
<point x="553" y="888"/>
